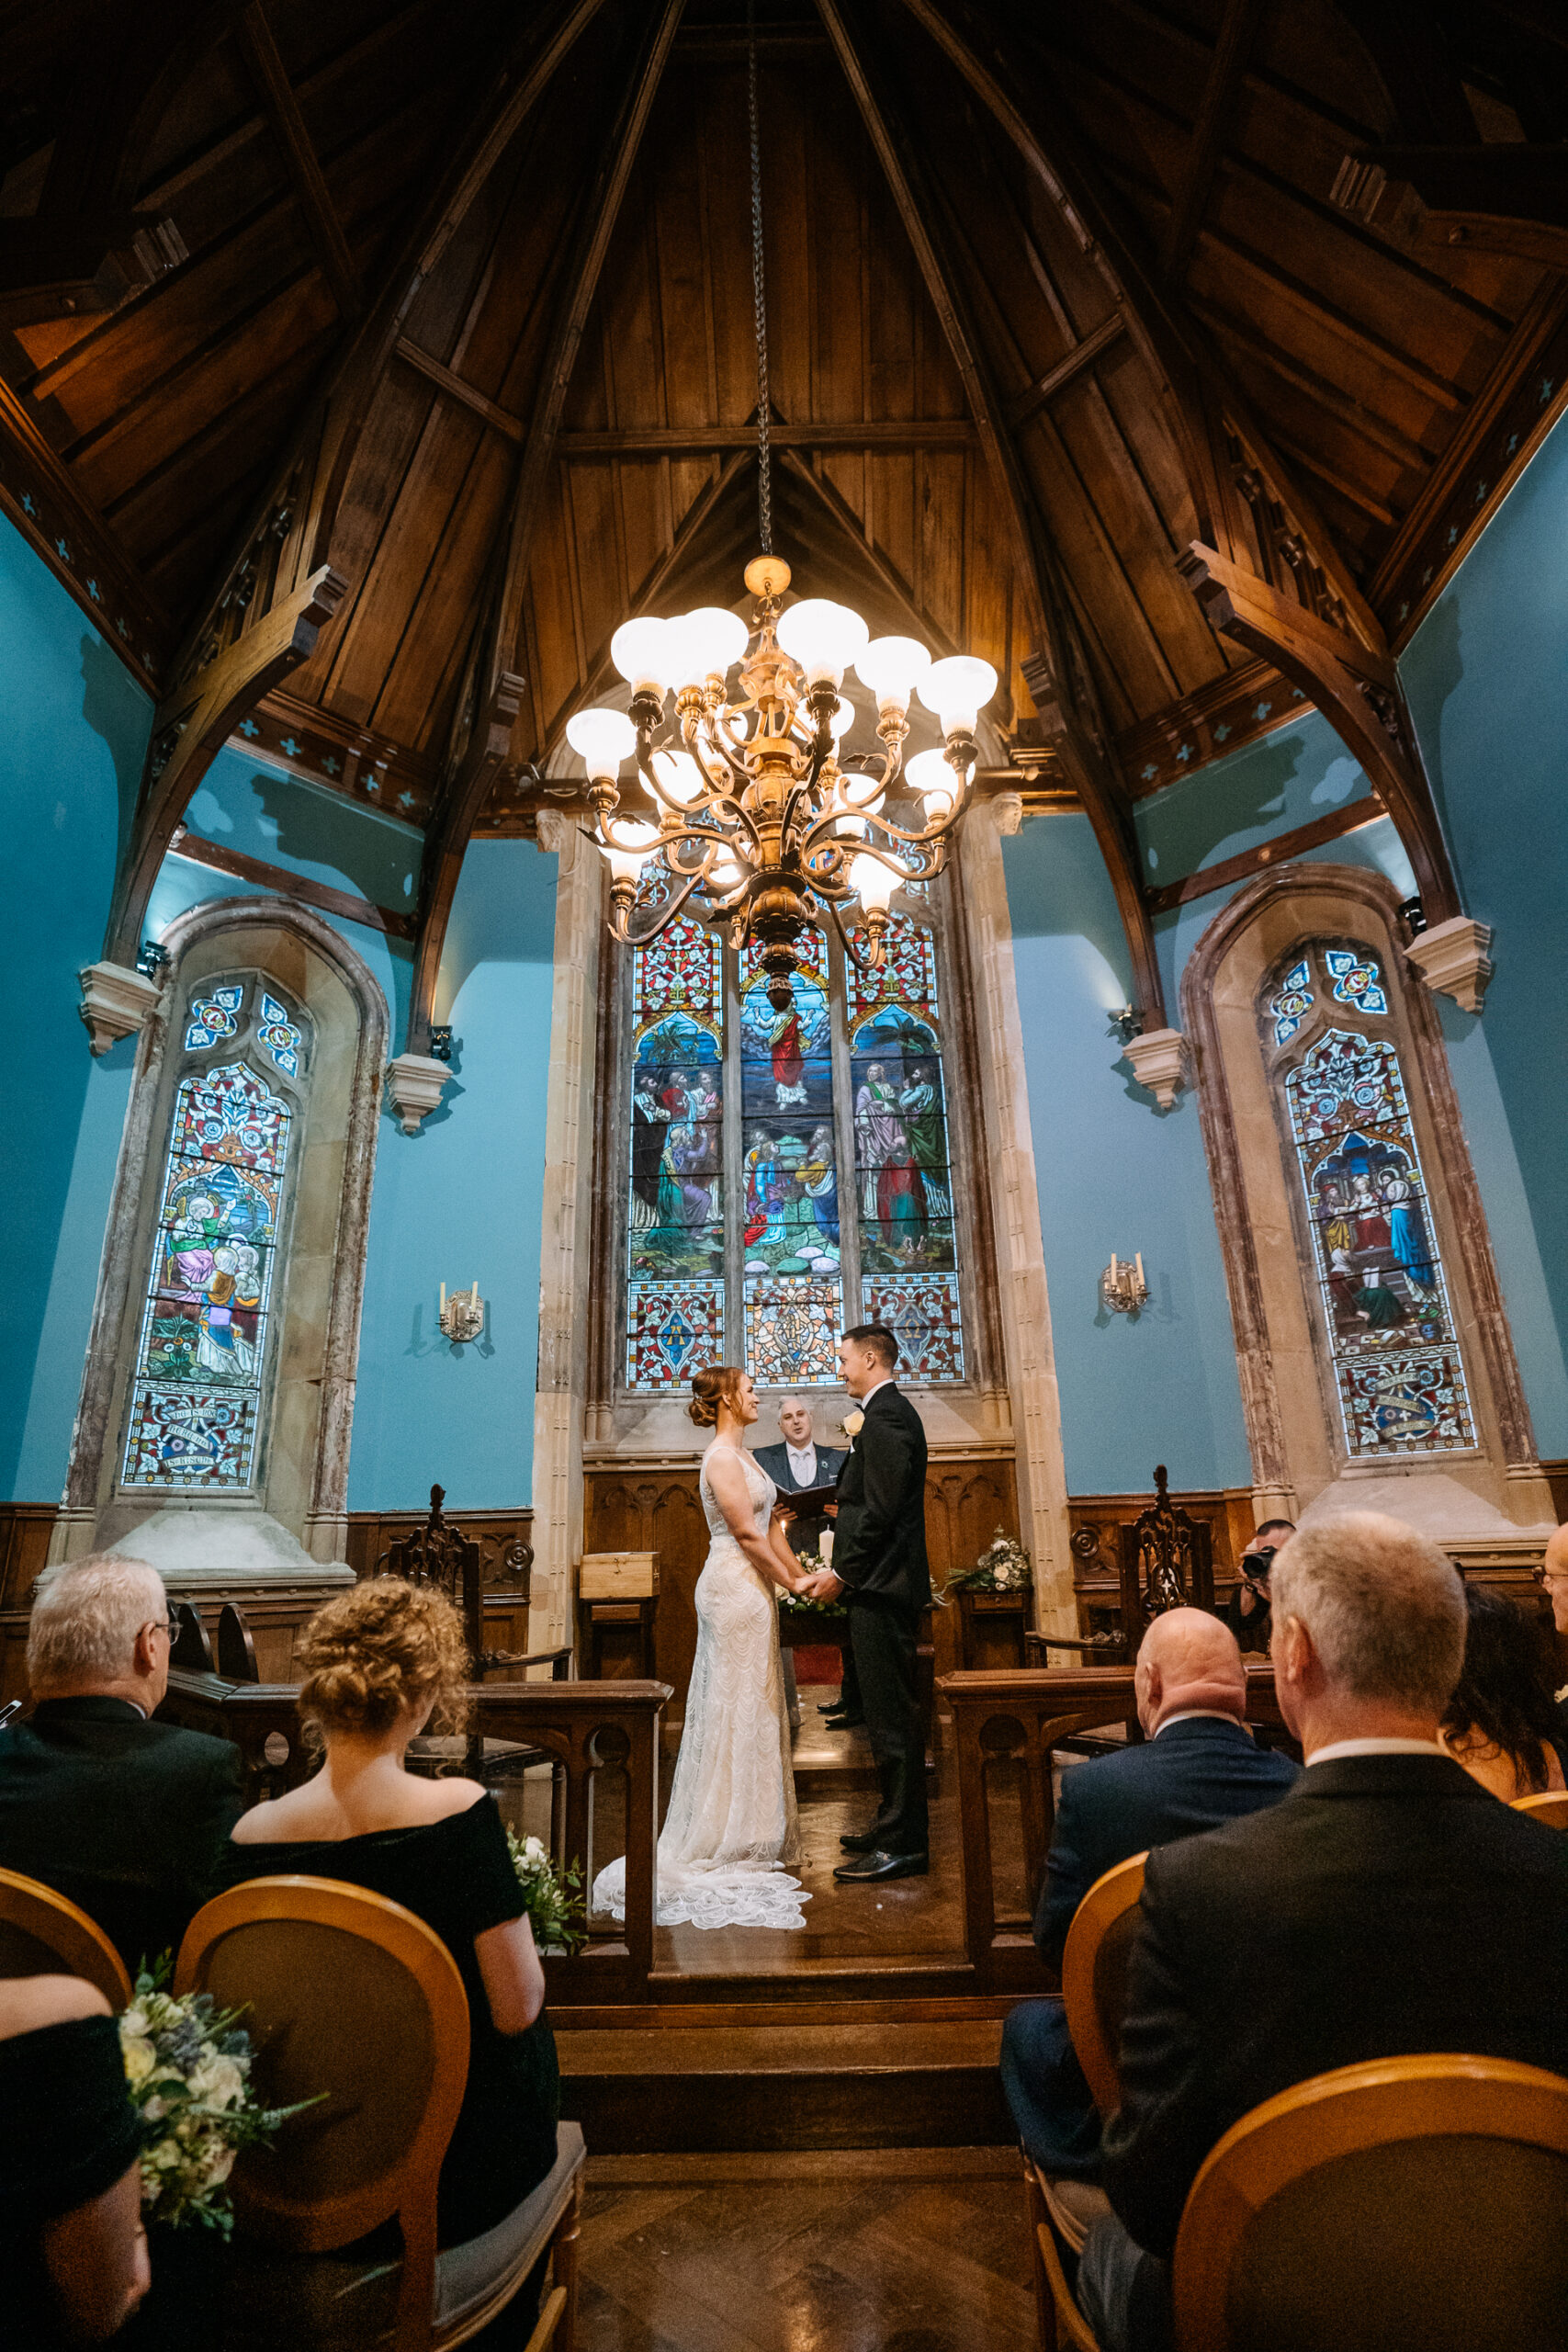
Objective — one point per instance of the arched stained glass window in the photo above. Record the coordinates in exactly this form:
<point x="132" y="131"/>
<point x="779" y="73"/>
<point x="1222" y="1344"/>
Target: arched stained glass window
<point x="197" y="1398"/>
<point x="745" y="1235"/>
<point x="1398" y="1371"/>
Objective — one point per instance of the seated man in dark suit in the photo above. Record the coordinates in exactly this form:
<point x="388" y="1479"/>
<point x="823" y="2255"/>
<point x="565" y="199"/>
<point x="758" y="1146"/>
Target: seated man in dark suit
<point x="1198" y="1767"/>
<point x="1388" y="1905"/>
<point x="124" y="1816"/>
<point x="1553" y="1574"/>
<point x="795" y="1467"/>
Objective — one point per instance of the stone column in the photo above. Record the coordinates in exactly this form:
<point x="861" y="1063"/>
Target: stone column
<point x="1019" y="1244"/>
<point x="566" y="1230"/>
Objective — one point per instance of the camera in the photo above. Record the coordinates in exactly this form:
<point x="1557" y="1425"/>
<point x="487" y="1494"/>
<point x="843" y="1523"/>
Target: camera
<point x="1256" y="1565"/>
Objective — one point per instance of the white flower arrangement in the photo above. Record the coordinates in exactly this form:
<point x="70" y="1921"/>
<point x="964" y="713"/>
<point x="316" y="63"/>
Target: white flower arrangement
<point x="552" y="1897"/>
<point x="1002" y="1566"/>
<point x="187" y="2064"/>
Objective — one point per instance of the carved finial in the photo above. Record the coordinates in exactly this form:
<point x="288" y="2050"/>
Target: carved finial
<point x="437" y="1496"/>
<point x="1161" y="1475"/>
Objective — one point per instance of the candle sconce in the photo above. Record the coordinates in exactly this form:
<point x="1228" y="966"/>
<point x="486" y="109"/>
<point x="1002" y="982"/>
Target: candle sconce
<point x="462" y="1316"/>
<point x="1121" y="1285"/>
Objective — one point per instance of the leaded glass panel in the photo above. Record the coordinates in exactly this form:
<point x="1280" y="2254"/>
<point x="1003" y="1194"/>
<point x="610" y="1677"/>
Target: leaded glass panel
<point x="1398" y="1368"/>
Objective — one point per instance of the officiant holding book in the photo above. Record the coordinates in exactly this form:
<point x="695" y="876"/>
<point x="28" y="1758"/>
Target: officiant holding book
<point x="796" y="1467"/>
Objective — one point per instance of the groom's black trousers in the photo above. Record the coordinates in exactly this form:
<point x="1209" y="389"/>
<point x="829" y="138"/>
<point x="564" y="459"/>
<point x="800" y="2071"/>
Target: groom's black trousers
<point x="885" y="1637"/>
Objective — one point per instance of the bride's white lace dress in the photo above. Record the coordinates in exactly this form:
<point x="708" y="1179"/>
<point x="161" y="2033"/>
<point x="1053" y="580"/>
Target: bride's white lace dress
<point x="731" y="1823"/>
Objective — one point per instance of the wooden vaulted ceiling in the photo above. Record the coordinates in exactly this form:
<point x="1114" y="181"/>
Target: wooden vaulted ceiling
<point x="464" y="312"/>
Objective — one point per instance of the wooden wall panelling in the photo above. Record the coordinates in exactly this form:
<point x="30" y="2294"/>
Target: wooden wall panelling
<point x="1095" y="1520"/>
<point x="506" y="1560"/>
<point x="25" y="1530"/>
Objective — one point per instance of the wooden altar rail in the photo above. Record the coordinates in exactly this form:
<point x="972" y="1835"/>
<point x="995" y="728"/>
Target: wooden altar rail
<point x="1007" y="1727"/>
<point x="586" y="1729"/>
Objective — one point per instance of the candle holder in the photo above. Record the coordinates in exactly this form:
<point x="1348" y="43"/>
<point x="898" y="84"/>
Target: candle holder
<point x="462" y="1316"/>
<point x="1121" y="1285"/>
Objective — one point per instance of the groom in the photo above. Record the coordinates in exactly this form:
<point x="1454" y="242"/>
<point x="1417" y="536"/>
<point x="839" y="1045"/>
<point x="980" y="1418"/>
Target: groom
<point x="879" y="1560"/>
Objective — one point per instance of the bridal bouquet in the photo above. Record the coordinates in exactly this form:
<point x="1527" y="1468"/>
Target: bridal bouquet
<point x="1002" y="1566"/>
<point x="189" y="2066"/>
<point x="800" y="1604"/>
<point x="552" y="1896"/>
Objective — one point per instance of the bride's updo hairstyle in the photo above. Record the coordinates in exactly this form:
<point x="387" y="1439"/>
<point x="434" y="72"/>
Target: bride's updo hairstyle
<point x="376" y="1650"/>
<point x="719" y="1384"/>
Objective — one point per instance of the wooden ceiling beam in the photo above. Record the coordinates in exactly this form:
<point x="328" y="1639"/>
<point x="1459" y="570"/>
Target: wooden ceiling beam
<point x="1209" y="133"/>
<point x="271" y="76"/>
<point x="425" y="364"/>
<point x="1494" y="199"/>
<point x="1257" y="76"/>
<point x="704" y="440"/>
<point x="1059" y="676"/>
<point x="1247" y="337"/>
<point x="1072" y="364"/>
<point x="497" y="690"/>
<point x="1356" y="687"/>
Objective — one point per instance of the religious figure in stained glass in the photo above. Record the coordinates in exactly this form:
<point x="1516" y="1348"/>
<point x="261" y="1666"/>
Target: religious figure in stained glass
<point x="196" y="1405"/>
<point x="829" y="1187"/>
<point x="1397" y="1364"/>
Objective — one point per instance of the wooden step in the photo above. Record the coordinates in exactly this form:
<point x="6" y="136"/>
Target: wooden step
<point x="922" y="2083"/>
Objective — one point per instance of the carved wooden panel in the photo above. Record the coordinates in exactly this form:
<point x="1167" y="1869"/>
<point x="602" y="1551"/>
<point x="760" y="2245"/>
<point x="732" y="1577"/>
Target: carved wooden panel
<point x="25" y="1530"/>
<point x="1096" y="1520"/>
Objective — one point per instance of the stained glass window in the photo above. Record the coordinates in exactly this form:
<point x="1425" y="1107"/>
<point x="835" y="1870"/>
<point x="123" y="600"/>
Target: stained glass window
<point x="1398" y="1370"/>
<point x="197" y="1398"/>
<point x="1292" y="1004"/>
<point x="744" y="1239"/>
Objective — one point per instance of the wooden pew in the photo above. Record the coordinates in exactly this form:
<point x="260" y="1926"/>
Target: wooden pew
<point x="585" y="1728"/>
<point x="1006" y="1730"/>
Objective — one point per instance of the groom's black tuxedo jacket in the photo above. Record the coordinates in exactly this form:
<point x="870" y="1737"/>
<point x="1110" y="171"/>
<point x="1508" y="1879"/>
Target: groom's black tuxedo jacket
<point x="879" y="1546"/>
<point x="805" y="1534"/>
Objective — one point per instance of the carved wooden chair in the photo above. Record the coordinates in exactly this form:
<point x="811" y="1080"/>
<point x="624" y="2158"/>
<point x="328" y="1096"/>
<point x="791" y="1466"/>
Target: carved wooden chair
<point x="1550" y="1806"/>
<point x="350" y="1995"/>
<point x="42" y="1934"/>
<point x="1094" y="1990"/>
<point x="1167" y="1562"/>
<point x="1411" y="2201"/>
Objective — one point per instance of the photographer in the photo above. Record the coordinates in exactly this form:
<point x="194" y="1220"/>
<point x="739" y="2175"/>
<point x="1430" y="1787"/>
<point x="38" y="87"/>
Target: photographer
<point x="1246" y="1611"/>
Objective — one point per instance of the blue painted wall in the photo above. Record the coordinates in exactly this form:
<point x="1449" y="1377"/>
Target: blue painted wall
<point x="462" y="1199"/>
<point x="71" y="755"/>
<point x="1115" y="1174"/>
<point x="240" y="804"/>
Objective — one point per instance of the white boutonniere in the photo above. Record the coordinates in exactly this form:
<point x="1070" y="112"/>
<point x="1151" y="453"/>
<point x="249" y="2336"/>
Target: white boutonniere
<point x="854" y="1424"/>
<point x="1561" y="1695"/>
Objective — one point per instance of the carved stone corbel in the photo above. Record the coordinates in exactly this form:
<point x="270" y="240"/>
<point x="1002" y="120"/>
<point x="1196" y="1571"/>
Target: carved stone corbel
<point x="415" y="1082"/>
<point x="1453" y="961"/>
<point x="1160" y="1062"/>
<point x="115" y="1002"/>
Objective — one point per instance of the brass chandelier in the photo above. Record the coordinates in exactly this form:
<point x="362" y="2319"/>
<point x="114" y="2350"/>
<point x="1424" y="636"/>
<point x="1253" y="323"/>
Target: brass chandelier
<point x="750" y="810"/>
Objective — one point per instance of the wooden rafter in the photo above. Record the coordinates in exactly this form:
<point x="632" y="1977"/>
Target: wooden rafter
<point x="278" y="96"/>
<point x="1357" y="691"/>
<point x="1067" y="368"/>
<point x="1229" y="62"/>
<point x="474" y="770"/>
<point x="192" y="725"/>
<point x="1058" y="674"/>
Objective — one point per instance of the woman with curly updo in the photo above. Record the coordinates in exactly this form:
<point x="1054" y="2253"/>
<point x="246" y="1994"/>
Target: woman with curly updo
<point x="377" y="1665"/>
<point x="731" y="1823"/>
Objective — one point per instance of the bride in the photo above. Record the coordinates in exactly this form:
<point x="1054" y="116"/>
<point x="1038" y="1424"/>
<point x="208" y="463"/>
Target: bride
<point x="731" y="1823"/>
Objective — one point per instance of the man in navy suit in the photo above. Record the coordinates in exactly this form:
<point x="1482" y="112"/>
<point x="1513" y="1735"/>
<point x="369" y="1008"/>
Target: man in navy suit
<point x="794" y="1467"/>
<point x="1198" y="1766"/>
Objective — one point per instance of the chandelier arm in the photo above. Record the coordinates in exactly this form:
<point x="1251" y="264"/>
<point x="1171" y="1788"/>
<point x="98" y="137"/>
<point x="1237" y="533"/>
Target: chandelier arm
<point x="847" y="942"/>
<point x="666" y="914"/>
<point x="662" y="799"/>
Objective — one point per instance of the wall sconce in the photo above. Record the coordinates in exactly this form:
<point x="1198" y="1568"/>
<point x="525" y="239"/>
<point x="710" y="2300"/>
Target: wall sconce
<point x="463" y="1315"/>
<point x="153" y="960"/>
<point x="441" y="1044"/>
<point x="1128" y="1023"/>
<point x="1122" y="1286"/>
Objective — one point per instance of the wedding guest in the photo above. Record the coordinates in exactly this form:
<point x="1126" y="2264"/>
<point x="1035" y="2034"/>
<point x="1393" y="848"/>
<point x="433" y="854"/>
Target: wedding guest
<point x="1246" y="1611"/>
<point x="1552" y="1574"/>
<point x="1500" y="1722"/>
<point x="1197" y="1767"/>
<point x="73" y="2250"/>
<point x="1386" y="1905"/>
<point x="126" y="1816"/>
<point x="378" y="1665"/>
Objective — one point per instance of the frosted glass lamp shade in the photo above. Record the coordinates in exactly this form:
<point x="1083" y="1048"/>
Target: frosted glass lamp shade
<point x="629" y="847"/>
<point x="709" y="640"/>
<point x="605" y="738"/>
<point x="680" y="777"/>
<point x="824" y="638"/>
<point x="843" y="718"/>
<point x="863" y="792"/>
<point x="958" y="690"/>
<point x="643" y="654"/>
<point x="875" y="881"/>
<point x="724" y="877"/>
<point x="892" y="667"/>
<point x="929" y="774"/>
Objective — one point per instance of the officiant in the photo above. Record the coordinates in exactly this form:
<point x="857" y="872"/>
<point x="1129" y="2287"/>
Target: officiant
<point x="796" y="1465"/>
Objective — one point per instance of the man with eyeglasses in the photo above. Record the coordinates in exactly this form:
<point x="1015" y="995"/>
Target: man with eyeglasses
<point x="1552" y="1574"/>
<point x="124" y="1816"/>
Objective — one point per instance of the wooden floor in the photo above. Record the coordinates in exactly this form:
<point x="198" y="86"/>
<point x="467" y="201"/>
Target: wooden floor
<point x="872" y="2251"/>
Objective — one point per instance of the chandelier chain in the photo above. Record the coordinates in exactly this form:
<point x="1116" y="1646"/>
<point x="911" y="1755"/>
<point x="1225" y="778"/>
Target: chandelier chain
<point x="764" y="451"/>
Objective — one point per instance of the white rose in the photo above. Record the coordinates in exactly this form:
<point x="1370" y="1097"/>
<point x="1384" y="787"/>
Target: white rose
<point x="134" y="2021"/>
<point x="854" y="1424"/>
<point x="218" y="2081"/>
<point x="139" y="2058"/>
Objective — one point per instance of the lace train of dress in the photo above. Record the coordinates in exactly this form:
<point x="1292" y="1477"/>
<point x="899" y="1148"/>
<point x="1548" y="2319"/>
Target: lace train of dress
<point x="731" y="1823"/>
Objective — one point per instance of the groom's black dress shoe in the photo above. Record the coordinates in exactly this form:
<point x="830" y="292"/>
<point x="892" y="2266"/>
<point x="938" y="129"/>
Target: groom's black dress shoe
<point x="842" y="1722"/>
<point x="860" y="1841"/>
<point x="880" y="1865"/>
